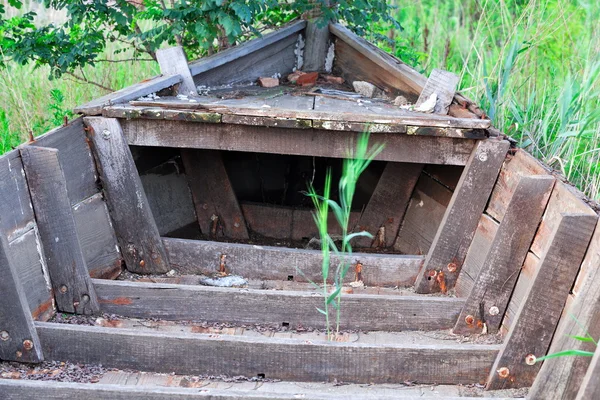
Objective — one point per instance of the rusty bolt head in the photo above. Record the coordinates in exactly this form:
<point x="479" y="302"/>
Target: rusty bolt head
<point x="4" y="336"/>
<point x="27" y="344"/>
<point x="63" y="289"/>
<point x="432" y="273"/>
<point x="503" y="372"/>
<point x="106" y="134"/>
<point x="85" y="298"/>
<point x="142" y="263"/>
<point x="530" y="359"/>
<point x="469" y="319"/>
<point x="452" y="267"/>
<point x="494" y="310"/>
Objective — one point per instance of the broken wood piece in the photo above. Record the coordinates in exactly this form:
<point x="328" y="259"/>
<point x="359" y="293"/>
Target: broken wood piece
<point x="336" y="80"/>
<point x="307" y="79"/>
<point x="268" y="82"/>
<point x="173" y="61"/>
<point x="443" y="85"/>
<point x="131" y="215"/>
<point x="62" y="250"/>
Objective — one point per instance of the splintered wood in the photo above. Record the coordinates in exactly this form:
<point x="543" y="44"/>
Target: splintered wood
<point x="441" y="84"/>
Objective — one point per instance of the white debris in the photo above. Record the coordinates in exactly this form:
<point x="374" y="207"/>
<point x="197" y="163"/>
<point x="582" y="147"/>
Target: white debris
<point x="428" y="105"/>
<point x="357" y="284"/>
<point x="226" y="281"/>
<point x="150" y="97"/>
<point x="182" y="97"/>
<point x="400" y="101"/>
<point x="171" y="273"/>
<point x="329" y="59"/>
<point x="276" y="75"/>
<point x="299" y="52"/>
<point x="203" y="90"/>
<point x="366" y="89"/>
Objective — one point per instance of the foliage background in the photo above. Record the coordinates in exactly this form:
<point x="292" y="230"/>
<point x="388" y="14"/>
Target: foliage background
<point x="533" y="64"/>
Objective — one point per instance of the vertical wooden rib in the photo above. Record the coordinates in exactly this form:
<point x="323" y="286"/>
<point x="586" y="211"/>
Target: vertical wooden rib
<point x="17" y="330"/>
<point x="173" y="61"/>
<point x="68" y="270"/>
<point x="493" y="286"/>
<point x="540" y="309"/>
<point x="132" y="218"/>
<point x="217" y="208"/>
<point x="449" y="248"/>
<point x="590" y="387"/>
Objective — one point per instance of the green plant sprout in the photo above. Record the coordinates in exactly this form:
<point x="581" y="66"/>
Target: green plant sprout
<point x="354" y="165"/>
<point x="566" y="353"/>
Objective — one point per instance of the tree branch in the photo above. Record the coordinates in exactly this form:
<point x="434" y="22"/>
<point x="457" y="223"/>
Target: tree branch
<point x="85" y="80"/>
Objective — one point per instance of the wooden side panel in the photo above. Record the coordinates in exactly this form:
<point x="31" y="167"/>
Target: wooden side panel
<point x="541" y="308"/>
<point x="286" y="359"/>
<point x="15" y="206"/>
<point x="388" y="204"/>
<point x="313" y="142"/>
<point x="18" y="337"/>
<point x="75" y="158"/>
<point x="217" y="208"/>
<point x="274" y="307"/>
<point x="278" y="57"/>
<point x="561" y="378"/>
<point x="423" y="216"/>
<point x="452" y="240"/>
<point x="28" y="258"/>
<point x="280" y="263"/>
<point x="97" y="238"/>
<point x="69" y="276"/>
<point x="132" y="218"/>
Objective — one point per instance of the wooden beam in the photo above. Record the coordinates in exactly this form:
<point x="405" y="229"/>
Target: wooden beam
<point x="317" y="40"/>
<point x="494" y="284"/>
<point x="280" y="263"/>
<point x="398" y="148"/>
<point x="173" y="62"/>
<point x="388" y="203"/>
<point x="443" y="84"/>
<point x="132" y="92"/>
<point x="134" y="224"/>
<point x="590" y="387"/>
<point x="68" y="271"/>
<point x="288" y="359"/>
<point x="561" y="378"/>
<point x="540" y="310"/>
<point x="18" y="338"/>
<point x="226" y="56"/>
<point x="449" y="248"/>
<point x="217" y="208"/>
<point x="274" y="307"/>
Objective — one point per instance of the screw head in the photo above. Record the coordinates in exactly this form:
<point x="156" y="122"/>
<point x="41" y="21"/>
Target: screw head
<point x="494" y="310"/>
<point x="236" y="224"/>
<point x="432" y="273"/>
<point x="63" y="289"/>
<point x="106" y="134"/>
<point x="452" y="267"/>
<point x="530" y="359"/>
<point x="469" y="319"/>
<point x="4" y="336"/>
<point x="142" y="263"/>
<point x="27" y="344"/>
<point x="85" y="298"/>
<point x="503" y="372"/>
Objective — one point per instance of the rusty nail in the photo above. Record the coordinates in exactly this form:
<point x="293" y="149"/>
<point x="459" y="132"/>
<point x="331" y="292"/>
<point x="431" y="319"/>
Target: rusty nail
<point x="63" y="289"/>
<point x="432" y="273"/>
<point x="452" y="267"/>
<point x="494" y="310"/>
<point x="358" y="271"/>
<point x="4" y="336"/>
<point x="222" y="263"/>
<point x="85" y="298"/>
<point x="27" y="344"/>
<point x="469" y="319"/>
<point x="142" y="263"/>
<point x="530" y="359"/>
<point x="503" y="372"/>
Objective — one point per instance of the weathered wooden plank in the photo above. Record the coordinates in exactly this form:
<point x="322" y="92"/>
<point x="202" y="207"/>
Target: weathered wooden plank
<point x="590" y="387"/>
<point x="276" y="58"/>
<point x="173" y="62"/>
<point x="363" y="61"/>
<point x="132" y="218"/>
<point x="494" y="283"/>
<point x="561" y="378"/>
<point x="266" y="121"/>
<point x="447" y="175"/>
<point x="452" y="240"/>
<point x="388" y="203"/>
<point x="15" y="205"/>
<point x="69" y="276"/>
<point x="132" y="112"/>
<point x="541" y="308"/>
<point x="516" y="166"/>
<point x="26" y="253"/>
<point x="476" y="256"/>
<point x="398" y="148"/>
<point x="35" y="390"/>
<point x="97" y="238"/>
<point x="317" y="44"/>
<point x="75" y="158"/>
<point x="423" y="216"/>
<point x="267" y="262"/>
<point x="289" y="359"/>
<point x="443" y="84"/>
<point x="217" y="208"/>
<point x="274" y="307"/>
<point x="227" y="56"/>
<point x="132" y="92"/>
<point x="18" y="337"/>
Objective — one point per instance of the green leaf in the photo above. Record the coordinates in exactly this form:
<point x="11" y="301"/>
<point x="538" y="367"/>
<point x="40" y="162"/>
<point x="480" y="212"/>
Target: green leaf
<point x="566" y="353"/>
<point x="321" y="311"/>
<point x="583" y="338"/>
<point x="333" y="295"/>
